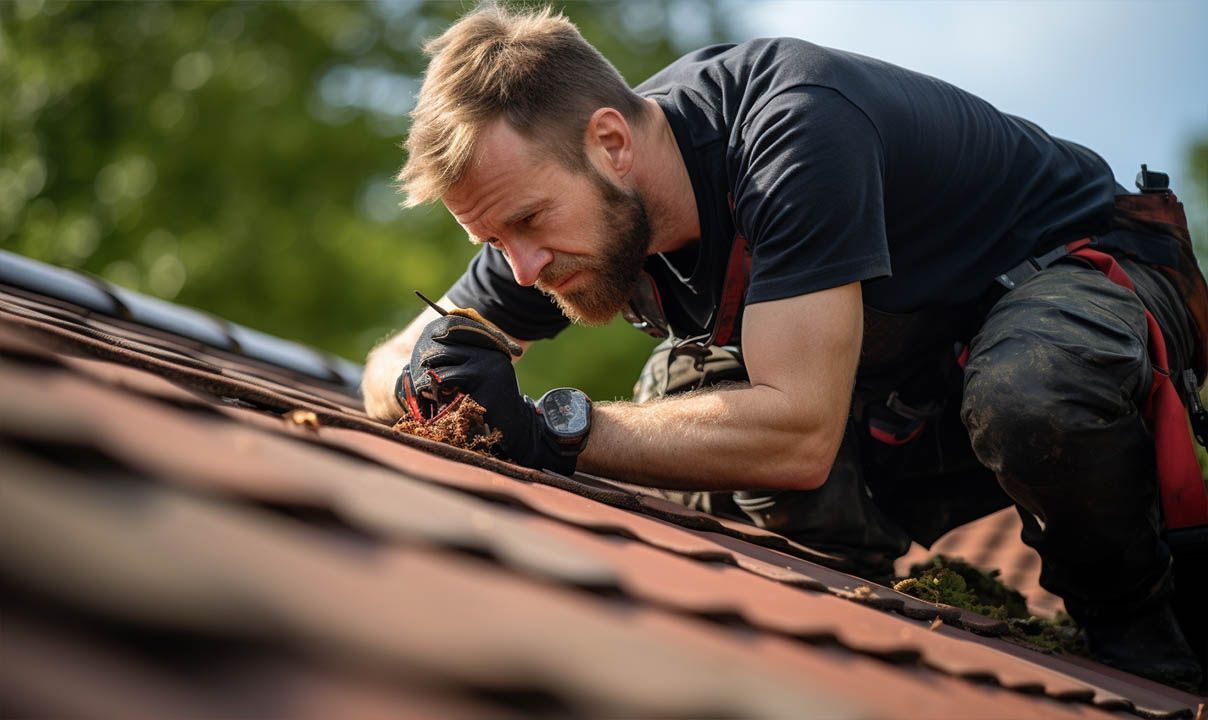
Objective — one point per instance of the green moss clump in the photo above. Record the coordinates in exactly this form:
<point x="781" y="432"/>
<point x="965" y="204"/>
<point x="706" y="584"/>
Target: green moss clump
<point x="955" y="582"/>
<point x="1057" y="635"/>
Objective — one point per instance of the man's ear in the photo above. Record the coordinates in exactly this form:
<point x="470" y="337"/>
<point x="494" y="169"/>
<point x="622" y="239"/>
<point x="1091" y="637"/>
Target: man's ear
<point x="609" y="141"/>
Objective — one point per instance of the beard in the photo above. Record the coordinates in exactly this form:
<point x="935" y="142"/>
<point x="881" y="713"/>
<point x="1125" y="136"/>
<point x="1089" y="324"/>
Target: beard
<point x="615" y="271"/>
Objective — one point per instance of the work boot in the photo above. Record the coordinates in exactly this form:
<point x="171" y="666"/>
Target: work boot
<point x="1149" y="644"/>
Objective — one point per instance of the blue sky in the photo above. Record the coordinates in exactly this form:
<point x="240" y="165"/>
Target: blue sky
<point x="1127" y="79"/>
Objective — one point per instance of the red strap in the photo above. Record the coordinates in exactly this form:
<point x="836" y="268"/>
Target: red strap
<point x="1184" y="497"/>
<point x="733" y="290"/>
<point x="409" y="396"/>
<point x="734" y="287"/>
<point x="963" y="358"/>
<point x="885" y="435"/>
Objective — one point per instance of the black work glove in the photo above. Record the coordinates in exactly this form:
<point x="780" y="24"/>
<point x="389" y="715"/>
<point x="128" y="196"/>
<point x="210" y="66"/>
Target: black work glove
<point x="459" y="354"/>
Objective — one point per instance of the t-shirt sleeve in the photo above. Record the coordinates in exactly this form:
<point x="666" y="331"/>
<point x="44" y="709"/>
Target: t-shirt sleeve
<point x="489" y="287"/>
<point x="809" y="195"/>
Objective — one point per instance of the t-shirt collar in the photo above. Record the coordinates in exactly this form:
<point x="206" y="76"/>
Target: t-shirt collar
<point x="687" y="264"/>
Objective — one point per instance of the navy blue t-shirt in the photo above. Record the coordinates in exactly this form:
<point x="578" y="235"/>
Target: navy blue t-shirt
<point x="842" y="169"/>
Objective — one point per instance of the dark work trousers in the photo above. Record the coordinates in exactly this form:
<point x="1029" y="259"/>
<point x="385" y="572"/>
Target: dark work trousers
<point x="1052" y="394"/>
<point x="1044" y="416"/>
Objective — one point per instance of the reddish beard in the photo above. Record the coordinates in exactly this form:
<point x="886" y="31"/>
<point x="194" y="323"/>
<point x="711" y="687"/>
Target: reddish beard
<point x="612" y="275"/>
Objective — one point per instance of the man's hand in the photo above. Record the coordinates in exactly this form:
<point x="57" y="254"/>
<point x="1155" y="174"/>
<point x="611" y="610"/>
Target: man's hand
<point x="454" y="354"/>
<point x="388" y="358"/>
<point x="458" y="354"/>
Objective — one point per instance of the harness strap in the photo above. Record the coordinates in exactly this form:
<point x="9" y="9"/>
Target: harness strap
<point x="729" y="305"/>
<point x="896" y="434"/>
<point x="1031" y="266"/>
<point x="1184" y="497"/>
<point x="734" y="287"/>
<point x="733" y="290"/>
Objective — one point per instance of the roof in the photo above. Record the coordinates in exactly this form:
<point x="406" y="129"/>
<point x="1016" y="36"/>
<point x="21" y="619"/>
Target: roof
<point x="190" y="529"/>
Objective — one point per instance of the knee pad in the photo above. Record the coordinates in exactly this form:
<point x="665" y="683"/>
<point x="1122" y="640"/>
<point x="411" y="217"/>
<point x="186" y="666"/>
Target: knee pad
<point x="1035" y="404"/>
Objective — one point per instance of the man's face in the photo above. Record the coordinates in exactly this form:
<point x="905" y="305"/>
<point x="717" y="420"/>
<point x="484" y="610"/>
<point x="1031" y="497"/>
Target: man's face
<point x="576" y="236"/>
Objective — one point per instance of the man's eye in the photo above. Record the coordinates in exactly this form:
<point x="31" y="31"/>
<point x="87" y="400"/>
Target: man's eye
<point x="528" y="219"/>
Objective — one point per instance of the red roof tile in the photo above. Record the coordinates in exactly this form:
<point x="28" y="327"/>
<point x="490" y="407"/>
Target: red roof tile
<point x="170" y="534"/>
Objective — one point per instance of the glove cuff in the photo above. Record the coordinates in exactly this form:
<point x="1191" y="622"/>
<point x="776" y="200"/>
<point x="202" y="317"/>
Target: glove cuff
<point x="545" y="453"/>
<point x="557" y="462"/>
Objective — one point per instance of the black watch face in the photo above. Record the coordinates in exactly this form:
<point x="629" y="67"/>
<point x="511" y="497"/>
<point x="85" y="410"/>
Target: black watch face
<point x="566" y="412"/>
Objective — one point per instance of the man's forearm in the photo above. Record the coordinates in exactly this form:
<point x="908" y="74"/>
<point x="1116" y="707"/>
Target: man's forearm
<point x="745" y="437"/>
<point x="382" y="369"/>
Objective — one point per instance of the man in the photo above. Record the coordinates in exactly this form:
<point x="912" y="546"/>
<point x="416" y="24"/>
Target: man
<point x="824" y="231"/>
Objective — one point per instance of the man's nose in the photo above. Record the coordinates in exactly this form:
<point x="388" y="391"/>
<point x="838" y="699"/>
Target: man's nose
<point x="527" y="262"/>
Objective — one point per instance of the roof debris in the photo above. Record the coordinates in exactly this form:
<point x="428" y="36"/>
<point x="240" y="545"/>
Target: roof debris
<point x="305" y="419"/>
<point x="461" y="425"/>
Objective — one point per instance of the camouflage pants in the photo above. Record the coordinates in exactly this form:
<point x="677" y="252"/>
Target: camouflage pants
<point x="1045" y="416"/>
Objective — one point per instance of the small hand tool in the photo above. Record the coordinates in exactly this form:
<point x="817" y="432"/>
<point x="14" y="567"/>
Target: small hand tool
<point x="506" y="342"/>
<point x="431" y="304"/>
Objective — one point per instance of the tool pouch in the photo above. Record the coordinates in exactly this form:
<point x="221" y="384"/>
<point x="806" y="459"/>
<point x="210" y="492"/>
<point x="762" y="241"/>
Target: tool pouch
<point x="1159" y="212"/>
<point x="910" y="367"/>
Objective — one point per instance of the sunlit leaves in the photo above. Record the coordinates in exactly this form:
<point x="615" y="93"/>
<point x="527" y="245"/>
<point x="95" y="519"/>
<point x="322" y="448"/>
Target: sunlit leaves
<point x="237" y="158"/>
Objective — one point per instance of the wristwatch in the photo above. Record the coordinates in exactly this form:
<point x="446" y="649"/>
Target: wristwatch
<point x="566" y="417"/>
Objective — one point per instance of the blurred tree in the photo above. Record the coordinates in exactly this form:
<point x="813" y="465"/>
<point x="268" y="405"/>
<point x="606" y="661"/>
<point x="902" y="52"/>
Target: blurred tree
<point x="238" y="158"/>
<point x="1196" y="201"/>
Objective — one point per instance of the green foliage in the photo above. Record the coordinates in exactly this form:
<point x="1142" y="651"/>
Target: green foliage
<point x="1196" y="201"/>
<point x="238" y="158"/>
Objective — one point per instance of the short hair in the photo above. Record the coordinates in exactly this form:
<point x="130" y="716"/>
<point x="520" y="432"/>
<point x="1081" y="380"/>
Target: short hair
<point x="532" y="68"/>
